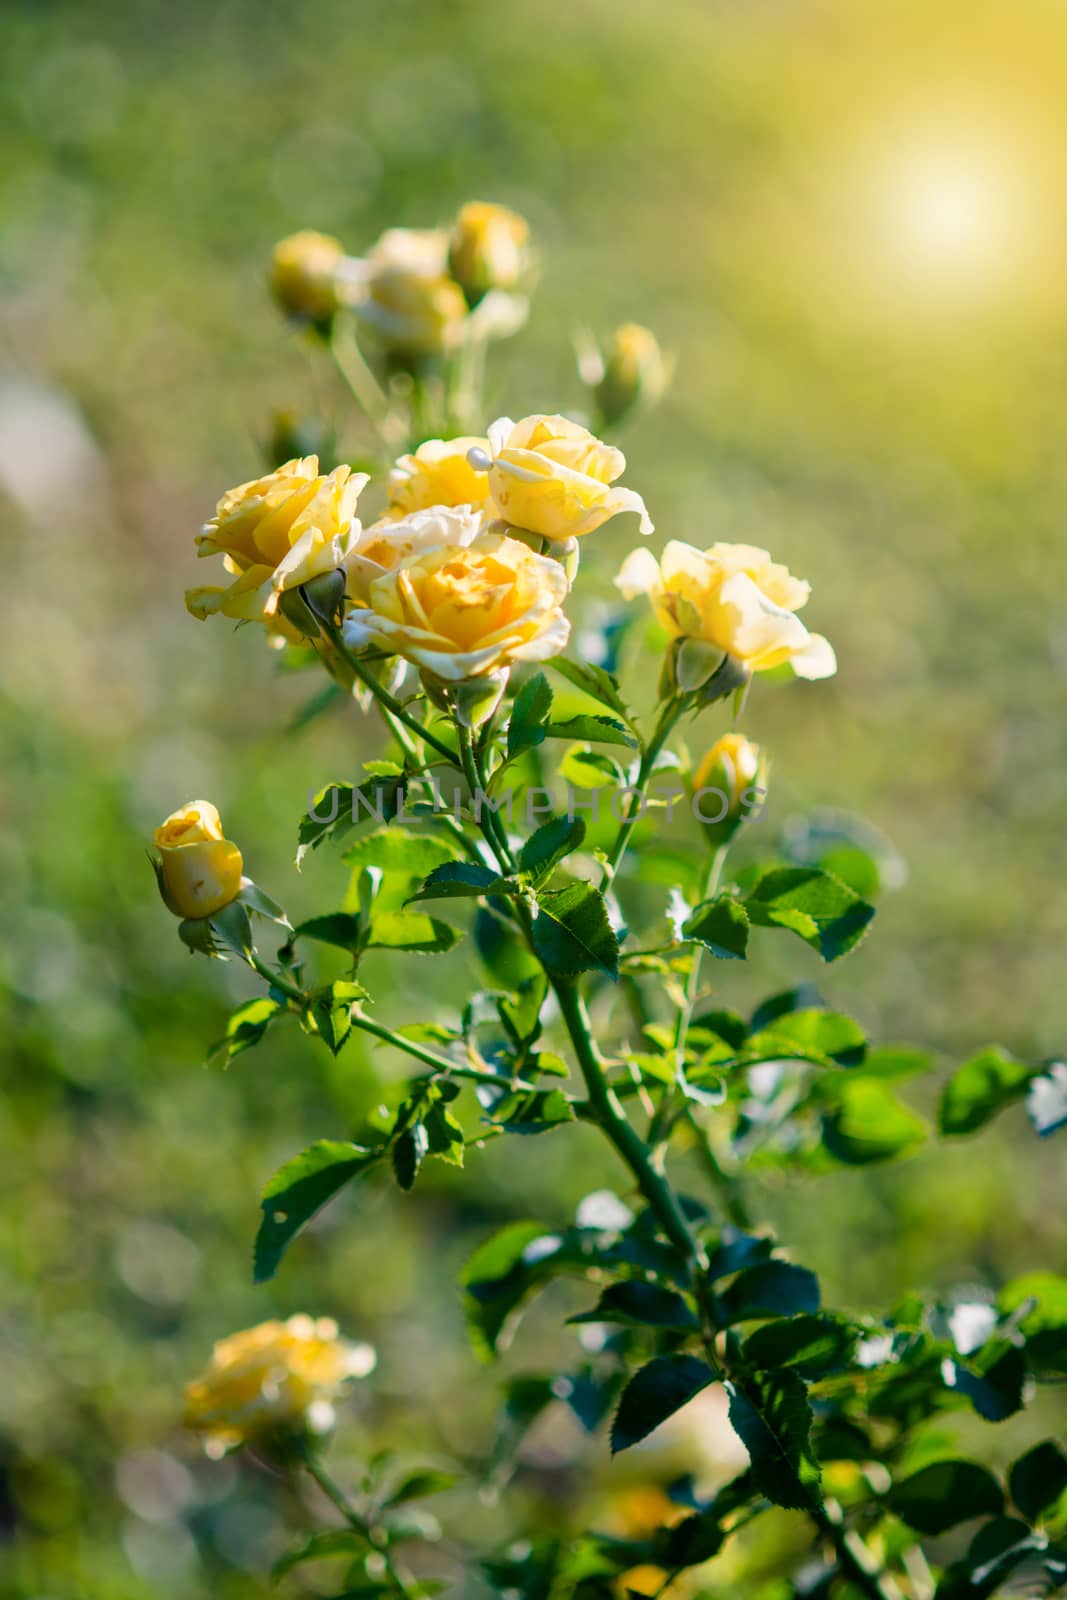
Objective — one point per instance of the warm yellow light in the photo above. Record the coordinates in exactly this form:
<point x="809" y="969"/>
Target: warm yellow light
<point x="951" y="216"/>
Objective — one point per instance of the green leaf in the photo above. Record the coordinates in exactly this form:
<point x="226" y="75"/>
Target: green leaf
<point x="655" y="1393"/>
<point x="410" y="930"/>
<point x="396" y="849"/>
<point x="1038" y="1479"/>
<point x="341" y="928"/>
<point x="409" y="1150"/>
<point x="534" y="1111"/>
<point x="769" y="1289"/>
<point x="319" y="1546"/>
<point x="331" y="1009"/>
<point x="456" y="880"/>
<point x="532" y="706"/>
<point x="595" y="682"/>
<point x="583" y="768"/>
<point x="1046" y="1101"/>
<point x="545" y="849"/>
<point x="945" y="1493"/>
<point x="980" y="1088"/>
<point x="814" y="1345"/>
<point x="643" y="1303"/>
<point x="521" y="1012"/>
<point x="591" y="730"/>
<point x="721" y="926"/>
<point x="263" y="904"/>
<point x="496" y="1281"/>
<point x="418" y="1484"/>
<point x="772" y="1417"/>
<point x="814" y="905"/>
<point x="993" y="1380"/>
<point x="812" y="1035"/>
<point x="572" y="933"/>
<point x="340" y="807"/>
<point x="870" y="1124"/>
<point x="301" y="1188"/>
<point x="246" y="1027"/>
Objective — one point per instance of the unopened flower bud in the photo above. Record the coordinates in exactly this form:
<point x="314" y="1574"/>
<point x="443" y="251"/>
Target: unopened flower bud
<point x="199" y="871"/>
<point x="488" y="249"/>
<point x="303" y="277"/>
<point x="728" y="786"/>
<point x="634" y="375"/>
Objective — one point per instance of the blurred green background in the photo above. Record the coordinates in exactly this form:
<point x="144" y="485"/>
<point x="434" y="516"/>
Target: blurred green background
<point x="849" y="220"/>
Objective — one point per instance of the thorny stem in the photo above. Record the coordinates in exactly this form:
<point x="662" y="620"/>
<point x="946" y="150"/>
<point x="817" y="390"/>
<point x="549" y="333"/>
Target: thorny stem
<point x="486" y="817"/>
<point x="275" y="979"/>
<point x="430" y="1058"/>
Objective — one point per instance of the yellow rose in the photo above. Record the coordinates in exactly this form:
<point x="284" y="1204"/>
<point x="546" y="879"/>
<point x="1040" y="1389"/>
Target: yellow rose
<point x="633" y="372"/>
<point x="732" y="599"/>
<point x="277" y="1377"/>
<point x="303" y="275"/>
<point x="200" y="870"/>
<point x="277" y="533"/>
<point x="438" y="474"/>
<point x="464" y="614"/>
<point x="489" y="249"/>
<point x="396" y="542"/>
<point x="553" y="477"/>
<point x="406" y="299"/>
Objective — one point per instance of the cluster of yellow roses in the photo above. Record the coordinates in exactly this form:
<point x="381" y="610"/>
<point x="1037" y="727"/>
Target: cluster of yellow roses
<point x="417" y="291"/>
<point x="466" y="573"/>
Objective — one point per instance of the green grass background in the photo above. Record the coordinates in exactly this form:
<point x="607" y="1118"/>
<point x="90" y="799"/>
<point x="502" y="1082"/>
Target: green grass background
<point x="888" y="421"/>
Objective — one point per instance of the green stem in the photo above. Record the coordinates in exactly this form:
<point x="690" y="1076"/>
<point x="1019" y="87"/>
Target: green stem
<point x="337" y="1498"/>
<point x="388" y="701"/>
<point x="275" y="979"/>
<point x="486" y="818"/>
<point x="361" y="384"/>
<point x="430" y="1058"/>
<point x="668" y="717"/>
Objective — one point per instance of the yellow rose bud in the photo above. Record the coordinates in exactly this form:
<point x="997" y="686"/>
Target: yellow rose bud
<point x="276" y="533"/>
<point x="489" y="249"/>
<point x="396" y="541"/>
<point x="277" y="1378"/>
<point x="731" y="599"/>
<point x="303" y="276"/>
<point x="553" y="477"/>
<point x="727" y="785"/>
<point x="438" y="473"/>
<point x="635" y="373"/>
<point x="406" y="299"/>
<point x="200" y="870"/>
<point x="466" y="612"/>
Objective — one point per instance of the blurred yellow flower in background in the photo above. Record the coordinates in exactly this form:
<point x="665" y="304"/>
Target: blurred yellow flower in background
<point x="200" y="870"/>
<point x="731" y="598"/>
<point x="276" y="533"/>
<point x="278" y="1377"/>
<point x="467" y="613"/>
<point x="396" y="541"/>
<point x="488" y="249"/>
<point x="303" y="275"/>
<point x="438" y="473"/>
<point x="404" y="296"/>
<point x="553" y="477"/>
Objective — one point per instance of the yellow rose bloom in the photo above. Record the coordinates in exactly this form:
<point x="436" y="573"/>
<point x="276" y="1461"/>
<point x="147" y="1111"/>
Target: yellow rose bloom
<point x="396" y="542"/>
<point x="200" y="870"/>
<point x="438" y="473"/>
<point x="488" y="248"/>
<point x="276" y="1377"/>
<point x="731" y="598"/>
<point x="405" y="297"/>
<point x="276" y="533"/>
<point x="468" y="611"/>
<point x="303" y="275"/>
<point x="553" y="477"/>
